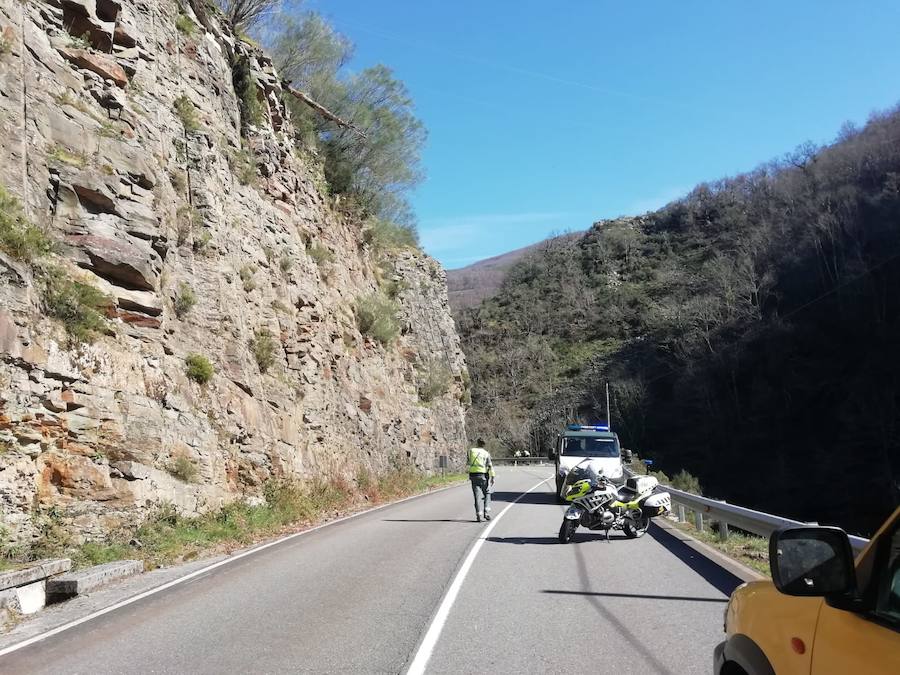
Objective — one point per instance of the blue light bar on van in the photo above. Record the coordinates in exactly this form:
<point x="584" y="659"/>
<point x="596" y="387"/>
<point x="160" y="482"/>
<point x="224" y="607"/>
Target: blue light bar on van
<point x="588" y="427"/>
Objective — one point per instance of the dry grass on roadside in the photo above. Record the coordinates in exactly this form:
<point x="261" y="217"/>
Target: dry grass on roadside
<point x="165" y="537"/>
<point x="748" y="549"/>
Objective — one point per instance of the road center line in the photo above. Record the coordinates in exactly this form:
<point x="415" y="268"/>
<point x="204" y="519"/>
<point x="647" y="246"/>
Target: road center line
<point x="423" y="654"/>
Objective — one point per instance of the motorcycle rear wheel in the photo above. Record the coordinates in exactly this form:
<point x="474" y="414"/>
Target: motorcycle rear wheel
<point x="635" y="529"/>
<point x="566" y="530"/>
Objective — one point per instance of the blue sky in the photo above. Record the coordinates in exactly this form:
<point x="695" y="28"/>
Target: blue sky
<point x="547" y="116"/>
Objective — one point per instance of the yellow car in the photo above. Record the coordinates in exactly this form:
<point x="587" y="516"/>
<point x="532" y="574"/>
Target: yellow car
<point x="820" y="613"/>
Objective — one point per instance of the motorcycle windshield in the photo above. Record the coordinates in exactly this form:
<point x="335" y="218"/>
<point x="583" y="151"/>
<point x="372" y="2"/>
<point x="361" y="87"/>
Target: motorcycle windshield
<point x="580" y="473"/>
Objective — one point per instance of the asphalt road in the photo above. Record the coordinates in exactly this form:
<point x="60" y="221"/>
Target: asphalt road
<point x="358" y="597"/>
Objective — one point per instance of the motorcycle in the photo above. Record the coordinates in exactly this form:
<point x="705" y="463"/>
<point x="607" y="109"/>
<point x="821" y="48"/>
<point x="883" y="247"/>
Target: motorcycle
<point x="598" y="504"/>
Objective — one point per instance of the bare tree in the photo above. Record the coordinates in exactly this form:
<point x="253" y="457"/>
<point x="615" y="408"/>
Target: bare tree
<point x="245" y="14"/>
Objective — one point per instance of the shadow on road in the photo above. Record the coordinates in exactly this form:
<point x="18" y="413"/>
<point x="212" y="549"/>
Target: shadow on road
<point x="579" y="537"/>
<point x="524" y="540"/>
<point x="635" y="595"/>
<point x="719" y="577"/>
<point x="530" y="498"/>
<point x="427" y="520"/>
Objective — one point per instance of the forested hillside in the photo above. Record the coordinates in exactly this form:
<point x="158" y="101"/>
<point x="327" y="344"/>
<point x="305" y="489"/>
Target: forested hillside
<point x="750" y="334"/>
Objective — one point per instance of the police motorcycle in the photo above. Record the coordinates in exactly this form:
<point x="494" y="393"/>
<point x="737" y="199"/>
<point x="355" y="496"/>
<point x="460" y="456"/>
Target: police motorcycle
<point x="598" y="504"/>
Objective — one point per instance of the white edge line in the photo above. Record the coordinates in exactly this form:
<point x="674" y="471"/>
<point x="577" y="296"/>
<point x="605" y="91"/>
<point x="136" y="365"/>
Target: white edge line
<point x="426" y="647"/>
<point x="204" y="570"/>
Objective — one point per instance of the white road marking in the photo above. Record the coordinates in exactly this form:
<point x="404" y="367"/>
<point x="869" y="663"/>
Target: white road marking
<point x="440" y="618"/>
<point x="197" y="573"/>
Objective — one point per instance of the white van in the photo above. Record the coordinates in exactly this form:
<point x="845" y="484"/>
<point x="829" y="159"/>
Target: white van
<point x="595" y="443"/>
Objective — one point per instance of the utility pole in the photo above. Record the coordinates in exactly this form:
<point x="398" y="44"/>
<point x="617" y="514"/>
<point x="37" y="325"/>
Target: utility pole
<point x="608" y="413"/>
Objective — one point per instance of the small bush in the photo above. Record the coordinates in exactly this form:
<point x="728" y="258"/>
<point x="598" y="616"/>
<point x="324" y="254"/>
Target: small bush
<point x="435" y="382"/>
<point x="82" y="41"/>
<point x="184" y="300"/>
<point x="185" y="25"/>
<point x="79" y="306"/>
<point x="376" y="316"/>
<point x="187" y="114"/>
<point x="320" y="254"/>
<point x="252" y="113"/>
<point x="109" y="130"/>
<point x="183" y="469"/>
<point x="187" y="218"/>
<point x="686" y="482"/>
<point x="279" y="306"/>
<point x="384" y="235"/>
<point x="263" y="347"/>
<point x="243" y="166"/>
<point x="19" y="238"/>
<point x="66" y="98"/>
<point x="199" y="369"/>
<point x="285" y="263"/>
<point x="393" y="288"/>
<point x="246" y="273"/>
<point x="178" y="178"/>
<point x="201" y="241"/>
<point x="61" y="155"/>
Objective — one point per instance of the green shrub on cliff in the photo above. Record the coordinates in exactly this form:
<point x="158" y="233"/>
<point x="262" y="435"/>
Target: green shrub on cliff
<point x="187" y="113"/>
<point x="263" y="347"/>
<point x="376" y="316"/>
<point x="185" y="300"/>
<point x="19" y="238"/>
<point x="79" y="306"/>
<point x="198" y="368"/>
<point x="435" y="382"/>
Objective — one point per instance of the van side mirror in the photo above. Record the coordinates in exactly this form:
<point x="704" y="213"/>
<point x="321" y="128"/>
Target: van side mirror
<point x="551" y="452"/>
<point x="812" y="561"/>
<point x="627" y="455"/>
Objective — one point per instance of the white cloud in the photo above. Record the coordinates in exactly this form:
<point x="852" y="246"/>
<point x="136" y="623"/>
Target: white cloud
<point x="445" y="234"/>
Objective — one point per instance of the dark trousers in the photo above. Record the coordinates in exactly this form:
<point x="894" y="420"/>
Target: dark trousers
<point x="480" y="485"/>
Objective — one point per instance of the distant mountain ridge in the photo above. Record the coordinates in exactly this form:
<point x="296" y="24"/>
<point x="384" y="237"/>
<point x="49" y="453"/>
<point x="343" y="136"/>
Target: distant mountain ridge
<point x="468" y="286"/>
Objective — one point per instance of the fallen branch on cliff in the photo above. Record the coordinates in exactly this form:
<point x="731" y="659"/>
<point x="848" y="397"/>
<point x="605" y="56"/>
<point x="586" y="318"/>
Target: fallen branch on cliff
<point x="319" y="108"/>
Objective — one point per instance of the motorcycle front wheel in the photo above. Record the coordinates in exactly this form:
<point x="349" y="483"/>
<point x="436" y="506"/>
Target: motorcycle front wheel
<point x="566" y="530"/>
<point x="637" y="528"/>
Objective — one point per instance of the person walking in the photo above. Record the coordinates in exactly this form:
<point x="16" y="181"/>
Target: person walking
<point x="481" y="474"/>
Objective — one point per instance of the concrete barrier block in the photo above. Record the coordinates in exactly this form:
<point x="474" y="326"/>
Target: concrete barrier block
<point x="32" y="597"/>
<point x="34" y="572"/>
<point x="85" y="581"/>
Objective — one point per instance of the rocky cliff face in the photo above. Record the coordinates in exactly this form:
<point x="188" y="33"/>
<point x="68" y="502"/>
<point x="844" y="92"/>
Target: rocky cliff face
<point x="153" y="147"/>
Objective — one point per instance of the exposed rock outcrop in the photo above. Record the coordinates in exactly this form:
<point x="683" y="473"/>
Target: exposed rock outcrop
<point x="123" y="140"/>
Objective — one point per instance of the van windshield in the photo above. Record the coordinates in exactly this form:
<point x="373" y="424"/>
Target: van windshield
<point x="589" y="447"/>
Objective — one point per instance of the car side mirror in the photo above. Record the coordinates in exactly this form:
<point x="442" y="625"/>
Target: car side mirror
<point x="812" y="561"/>
<point x="626" y="455"/>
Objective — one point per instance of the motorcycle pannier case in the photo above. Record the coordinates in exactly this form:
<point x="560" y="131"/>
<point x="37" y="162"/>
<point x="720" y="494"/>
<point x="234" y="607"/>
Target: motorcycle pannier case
<point x="641" y="484"/>
<point x="657" y="505"/>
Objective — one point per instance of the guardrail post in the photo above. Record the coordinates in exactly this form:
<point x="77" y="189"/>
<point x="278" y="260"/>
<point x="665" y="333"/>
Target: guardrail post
<point x="698" y="521"/>
<point x="723" y="530"/>
<point x="682" y="516"/>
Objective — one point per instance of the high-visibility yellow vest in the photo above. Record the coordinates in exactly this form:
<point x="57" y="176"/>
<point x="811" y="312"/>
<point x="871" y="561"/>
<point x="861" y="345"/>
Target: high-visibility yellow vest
<point x="480" y="461"/>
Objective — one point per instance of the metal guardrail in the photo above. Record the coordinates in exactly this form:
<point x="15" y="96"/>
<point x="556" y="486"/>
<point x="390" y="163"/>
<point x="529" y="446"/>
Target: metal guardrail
<point x="749" y="520"/>
<point x="521" y="461"/>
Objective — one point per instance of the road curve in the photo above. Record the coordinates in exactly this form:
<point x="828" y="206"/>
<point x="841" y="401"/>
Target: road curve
<point x="358" y="597"/>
